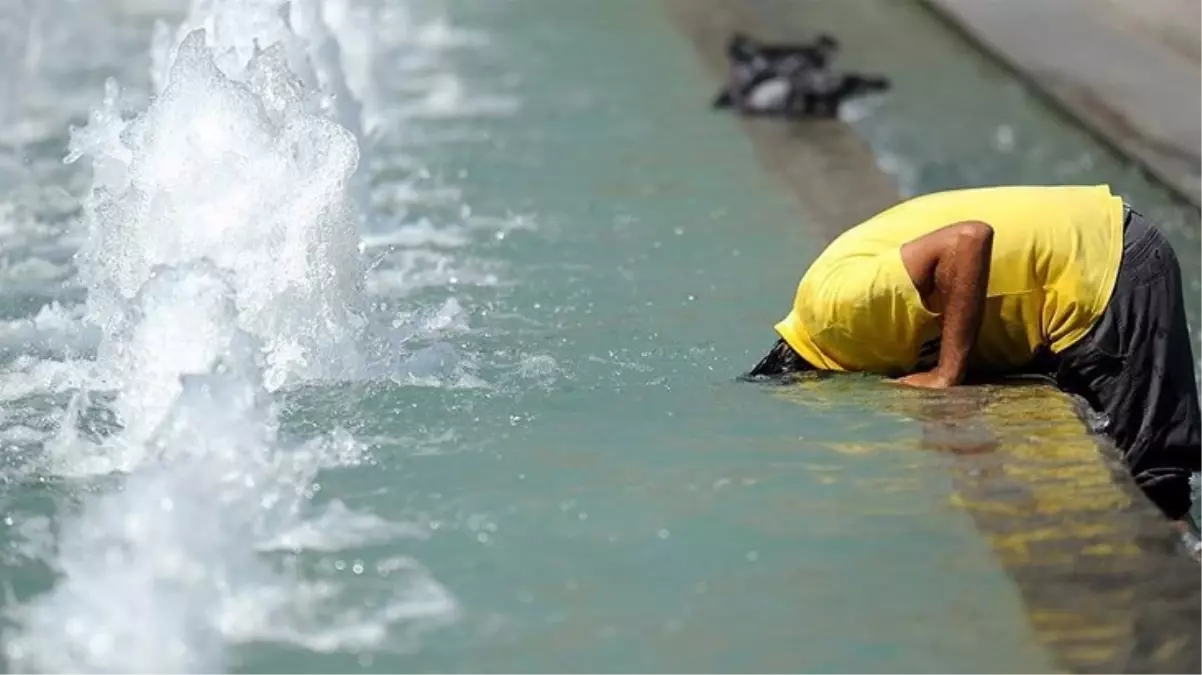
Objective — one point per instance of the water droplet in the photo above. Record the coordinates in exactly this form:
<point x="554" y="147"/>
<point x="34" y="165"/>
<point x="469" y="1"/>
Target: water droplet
<point x="357" y="568"/>
<point x="100" y="645"/>
<point x="663" y="533"/>
<point x="339" y="565"/>
<point x="178" y="648"/>
<point x="753" y="556"/>
<point x="1003" y="138"/>
<point x="482" y="538"/>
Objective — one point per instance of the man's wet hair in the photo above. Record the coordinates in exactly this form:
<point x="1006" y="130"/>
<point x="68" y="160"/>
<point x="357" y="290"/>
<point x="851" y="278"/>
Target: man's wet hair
<point x="780" y="361"/>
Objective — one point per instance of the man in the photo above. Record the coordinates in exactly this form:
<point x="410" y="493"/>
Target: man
<point x="1067" y="281"/>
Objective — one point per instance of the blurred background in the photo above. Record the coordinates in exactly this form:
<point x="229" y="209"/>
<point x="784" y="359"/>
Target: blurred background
<point x="381" y="335"/>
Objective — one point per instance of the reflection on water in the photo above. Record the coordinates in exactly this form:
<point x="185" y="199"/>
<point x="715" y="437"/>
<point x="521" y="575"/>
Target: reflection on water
<point x="1104" y="585"/>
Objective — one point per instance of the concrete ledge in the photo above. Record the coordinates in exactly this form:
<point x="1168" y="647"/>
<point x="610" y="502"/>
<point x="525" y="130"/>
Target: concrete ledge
<point x="1127" y="71"/>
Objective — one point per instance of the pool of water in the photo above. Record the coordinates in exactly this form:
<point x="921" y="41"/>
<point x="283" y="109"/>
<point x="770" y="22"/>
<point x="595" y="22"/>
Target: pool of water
<point x="534" y="453"/>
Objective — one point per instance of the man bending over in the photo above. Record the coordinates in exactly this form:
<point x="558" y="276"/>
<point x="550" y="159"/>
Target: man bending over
<point x="1066" y="281"/>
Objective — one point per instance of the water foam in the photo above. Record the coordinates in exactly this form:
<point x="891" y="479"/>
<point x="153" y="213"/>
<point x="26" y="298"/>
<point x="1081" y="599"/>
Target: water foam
<point x="221" y="264"/>
<point x="164" y="575"/>
<point x="236" y="30"/>
<point x="246" y="175"/>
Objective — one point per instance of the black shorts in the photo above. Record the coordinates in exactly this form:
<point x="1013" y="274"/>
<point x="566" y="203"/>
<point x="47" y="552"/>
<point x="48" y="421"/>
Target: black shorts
<point x="1136" y="366"/>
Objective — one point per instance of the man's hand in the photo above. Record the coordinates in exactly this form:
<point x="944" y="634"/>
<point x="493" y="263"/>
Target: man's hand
<point x="931" y="379"/>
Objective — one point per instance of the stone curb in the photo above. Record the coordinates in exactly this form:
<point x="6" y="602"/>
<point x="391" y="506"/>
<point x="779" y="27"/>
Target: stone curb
<point x="1138" y="96"/>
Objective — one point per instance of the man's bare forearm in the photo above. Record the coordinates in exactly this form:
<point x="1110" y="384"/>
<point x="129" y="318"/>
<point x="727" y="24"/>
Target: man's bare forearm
<point x="950" y="270"/>
<point x="962" y="278"/>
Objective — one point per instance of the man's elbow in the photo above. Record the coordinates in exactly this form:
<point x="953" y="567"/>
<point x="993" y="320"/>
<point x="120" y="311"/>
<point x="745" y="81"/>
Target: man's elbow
<point x="975" y="233"/>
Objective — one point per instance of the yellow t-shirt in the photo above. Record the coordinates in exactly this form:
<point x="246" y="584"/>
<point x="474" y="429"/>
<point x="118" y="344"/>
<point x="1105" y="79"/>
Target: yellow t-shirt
<point x="1056" y="253"/>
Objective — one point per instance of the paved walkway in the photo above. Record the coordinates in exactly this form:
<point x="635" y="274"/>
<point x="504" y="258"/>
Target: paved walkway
<point x="1176" y="24"/>
<point x="1129" y="70"/>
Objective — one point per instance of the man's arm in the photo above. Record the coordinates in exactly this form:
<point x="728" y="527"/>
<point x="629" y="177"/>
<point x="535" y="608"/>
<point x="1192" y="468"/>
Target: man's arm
<point x="950" y="269"/>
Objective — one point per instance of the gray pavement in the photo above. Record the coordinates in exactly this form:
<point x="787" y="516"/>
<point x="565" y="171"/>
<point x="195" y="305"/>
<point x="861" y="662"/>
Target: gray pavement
<point x="1126" y="69"/>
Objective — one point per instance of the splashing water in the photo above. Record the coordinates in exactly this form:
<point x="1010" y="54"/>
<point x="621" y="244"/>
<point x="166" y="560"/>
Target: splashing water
<point x="303" y="32"/>
<point x="163" y="574"/>
<point x="244" y="174"/>
<point x="221" y="264"/>
<point x="236" y="30"/>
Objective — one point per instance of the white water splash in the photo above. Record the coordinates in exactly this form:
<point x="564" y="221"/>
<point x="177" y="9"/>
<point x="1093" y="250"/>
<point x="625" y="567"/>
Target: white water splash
<point x="244" y="174"/>
<point x="164" y="575"/>
<point x="236" y="30"/>
<point x="221" y="264"/>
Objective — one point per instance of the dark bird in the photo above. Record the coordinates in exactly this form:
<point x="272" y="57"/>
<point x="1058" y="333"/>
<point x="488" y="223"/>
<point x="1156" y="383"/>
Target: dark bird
<point x="753" y="62"/>
<point x="789" y="80"/>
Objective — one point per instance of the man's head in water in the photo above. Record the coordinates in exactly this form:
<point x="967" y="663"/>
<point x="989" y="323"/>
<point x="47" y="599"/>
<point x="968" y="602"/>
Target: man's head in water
<point x="780" y="360"/>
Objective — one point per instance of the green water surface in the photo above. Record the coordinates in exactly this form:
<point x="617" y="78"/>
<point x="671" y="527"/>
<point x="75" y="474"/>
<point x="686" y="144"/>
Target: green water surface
<point x="602" y="494"/>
